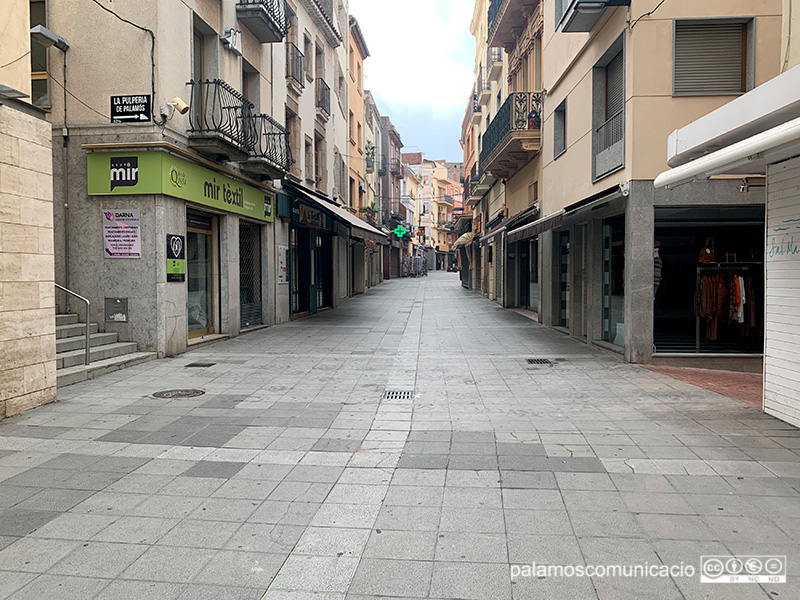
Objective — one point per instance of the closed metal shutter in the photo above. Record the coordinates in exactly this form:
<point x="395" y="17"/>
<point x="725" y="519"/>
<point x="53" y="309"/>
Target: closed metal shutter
<point x="709" y="58"/>
<point x="615" y="86"/>
<point x="250" y="275"/>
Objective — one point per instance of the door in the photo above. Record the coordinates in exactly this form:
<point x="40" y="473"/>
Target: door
<point x="300" y="270"/>
<point x="200" y="274"/>
<point x="250" y="275"/>
<point x="523" y="261"/>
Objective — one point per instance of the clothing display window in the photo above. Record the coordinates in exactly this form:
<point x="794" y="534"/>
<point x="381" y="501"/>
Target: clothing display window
<point x="708" y="280"/>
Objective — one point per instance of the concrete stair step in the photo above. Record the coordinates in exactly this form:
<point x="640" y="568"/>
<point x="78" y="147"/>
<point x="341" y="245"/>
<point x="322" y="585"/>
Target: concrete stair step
<point x="79" y="341"/>
<point x="66" y="319"/>
<point x="75" y="329"/>
<point x="75" y="374"/>
<point x="76" y="357"/>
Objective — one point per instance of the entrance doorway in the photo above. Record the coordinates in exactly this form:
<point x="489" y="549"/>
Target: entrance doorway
<point x="201" y="273"/>
<point x="250" y="275"/>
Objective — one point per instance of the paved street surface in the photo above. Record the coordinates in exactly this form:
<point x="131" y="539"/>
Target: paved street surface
<point x="295" y="477"/>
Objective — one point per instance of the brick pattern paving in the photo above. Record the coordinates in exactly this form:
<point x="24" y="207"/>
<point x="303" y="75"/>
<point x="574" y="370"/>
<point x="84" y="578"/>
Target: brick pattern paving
<point x="747" y="387"/>
<point x="295" y="477"/>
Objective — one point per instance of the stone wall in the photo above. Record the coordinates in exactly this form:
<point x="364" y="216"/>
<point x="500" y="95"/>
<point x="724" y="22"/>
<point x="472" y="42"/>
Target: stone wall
<point x="27" y="300"/>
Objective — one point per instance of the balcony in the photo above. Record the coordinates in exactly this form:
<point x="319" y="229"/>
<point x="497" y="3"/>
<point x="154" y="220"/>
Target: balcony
<point x="609" y="145"/>
<point x="476" y="113"/>
<point x="514" y="136"/>
<point x="369" y="164"/>
<point x="383" y="165"/>
<point x="396" y="167"/>
<point x="323" y="99"/>
<point x="270" y="155"/>
<point x="266" y="19"/>
<point x="580" y="16"/>
<point x="218" y="121"/>
<point x="480" y="182"/>
<point x="295" y="66"/>
<point x="507" y="19"/>
<point x="484" y="88"/>
<point x="494" y="62"/>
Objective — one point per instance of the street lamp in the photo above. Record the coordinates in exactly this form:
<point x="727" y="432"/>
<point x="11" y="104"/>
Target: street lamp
<point x="44" y="37"/>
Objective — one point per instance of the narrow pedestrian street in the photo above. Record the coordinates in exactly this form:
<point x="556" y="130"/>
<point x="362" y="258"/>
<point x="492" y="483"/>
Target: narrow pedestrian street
<point x="400" y="446"/>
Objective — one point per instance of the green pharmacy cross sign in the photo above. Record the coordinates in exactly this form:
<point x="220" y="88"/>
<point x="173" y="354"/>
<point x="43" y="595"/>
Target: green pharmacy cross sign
<point x="400" y="231"/>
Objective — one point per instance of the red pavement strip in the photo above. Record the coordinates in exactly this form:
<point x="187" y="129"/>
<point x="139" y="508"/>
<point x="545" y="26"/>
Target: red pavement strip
<point x="746" y="387"/>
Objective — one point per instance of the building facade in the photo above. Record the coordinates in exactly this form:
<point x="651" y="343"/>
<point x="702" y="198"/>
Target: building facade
<point x="757" y="135"/>
<point x="27" y="293"/>
<point x="204" y="195"/>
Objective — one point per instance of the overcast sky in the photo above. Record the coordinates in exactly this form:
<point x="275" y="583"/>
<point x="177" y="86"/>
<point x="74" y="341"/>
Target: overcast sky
<point x="420" y="68"/>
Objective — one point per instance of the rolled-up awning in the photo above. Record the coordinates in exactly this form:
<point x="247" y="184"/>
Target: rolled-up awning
<point x="463" y="240"/>
<point x="547" y="223"/>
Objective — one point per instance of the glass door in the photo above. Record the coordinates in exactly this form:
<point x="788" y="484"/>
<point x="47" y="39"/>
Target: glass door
<point x="614" y="280"/>
<point x="564" y="278"/>
<point x="200" y="274"/>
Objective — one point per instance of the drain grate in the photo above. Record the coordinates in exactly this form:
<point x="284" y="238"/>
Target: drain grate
<point x="398" y="395"/>
<point x="200" y="365"/>
<point x="179" y="394"/>
<point x="540" y="361"/>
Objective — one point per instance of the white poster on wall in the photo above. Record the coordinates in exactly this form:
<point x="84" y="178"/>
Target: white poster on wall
<point x="122" y="234"/>
<point x="283" y="265"/>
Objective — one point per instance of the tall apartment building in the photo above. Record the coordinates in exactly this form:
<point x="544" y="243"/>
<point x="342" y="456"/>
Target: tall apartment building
<point x="394" y="217"/>
<point x="203" y="189"/>
<point x="618" y="81"/>
<point x="27" y="300"/>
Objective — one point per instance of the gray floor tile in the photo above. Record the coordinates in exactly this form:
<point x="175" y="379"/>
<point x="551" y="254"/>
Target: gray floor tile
<point x="61" y="587"/>
<point x="400" y="545"/>
<point x="98" y="559"/>
<point x="19" y="522"/>
<point x="170" y="564"/>
<point x="380" y="577"/>
<point x="215" y="469"/>
<point x="472" y="581"/>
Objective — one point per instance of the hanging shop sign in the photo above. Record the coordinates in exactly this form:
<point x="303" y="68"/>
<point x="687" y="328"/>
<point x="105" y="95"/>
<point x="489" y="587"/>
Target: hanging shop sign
<point x="131" y="109"/>
<point x="176" y="257"/>
<point x="161" y="173"/>
<point x="121" y="234"/>
<point x="305" y="215"/>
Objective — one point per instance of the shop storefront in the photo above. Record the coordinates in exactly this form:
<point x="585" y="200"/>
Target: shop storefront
<point x="311" y="259"/>
<point x="183" y="249"/>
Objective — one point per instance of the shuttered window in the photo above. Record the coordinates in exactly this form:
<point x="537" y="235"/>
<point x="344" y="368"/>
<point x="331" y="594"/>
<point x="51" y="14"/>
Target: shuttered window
<point x="710" y="58"/>
<point x="615" y="87"/>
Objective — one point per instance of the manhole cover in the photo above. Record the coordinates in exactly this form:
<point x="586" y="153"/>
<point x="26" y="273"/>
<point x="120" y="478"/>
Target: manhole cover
<point x="179" y="394"/>
<point x="398" y="395"/>
<point x="201" y="365"/>
<point x="539" y="361"/>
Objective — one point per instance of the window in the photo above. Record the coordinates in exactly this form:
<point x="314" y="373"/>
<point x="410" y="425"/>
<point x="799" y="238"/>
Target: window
<point x="320" y="63"/>
<point x="308" y="48"/>
<point x="309" y="160"/>
<point x="39" y="95"/>
<point x="350" y="128"/>
<point x="250" y="84"/>
<point x="293" y="129"/>
<point x="712" y="57"/>
<point x="560" y="129"/>
<point x="615" y="87"/>
<point x="560" y="7"/>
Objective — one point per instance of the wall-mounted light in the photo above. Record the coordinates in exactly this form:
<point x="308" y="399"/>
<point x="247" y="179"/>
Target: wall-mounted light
<point x="44" y="37"/>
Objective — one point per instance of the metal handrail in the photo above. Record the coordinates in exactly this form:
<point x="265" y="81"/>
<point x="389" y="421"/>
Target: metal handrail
<point x="79" y="297"/>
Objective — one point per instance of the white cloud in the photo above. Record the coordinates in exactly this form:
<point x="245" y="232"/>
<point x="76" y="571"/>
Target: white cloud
<point x="421" y="52"/>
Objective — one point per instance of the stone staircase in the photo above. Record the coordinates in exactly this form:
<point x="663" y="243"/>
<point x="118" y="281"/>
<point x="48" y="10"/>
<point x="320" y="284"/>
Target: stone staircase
<point x="106" y="354"/>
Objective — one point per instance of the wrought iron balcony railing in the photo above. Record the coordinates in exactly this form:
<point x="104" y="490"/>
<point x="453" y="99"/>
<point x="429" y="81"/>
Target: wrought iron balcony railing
<point x="383" y="165"/>
<point x="396" y="167"/>
<point x="323" y="97"/>
<point x="494" y="10"/>
<point x="520" y="112"/>
<point x="494" y="55"/>
<point x="269" y="141"/>
<point x="220" y="111"/>
<point x="295" y="65"/>
<point x="611" y="132"/>
<point x="266" y="19"/>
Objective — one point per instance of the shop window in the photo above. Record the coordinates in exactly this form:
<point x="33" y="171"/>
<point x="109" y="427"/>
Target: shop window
<point x="695" y="302"/>
<point x="614" y="280"/>
<point x="563" y="280"/>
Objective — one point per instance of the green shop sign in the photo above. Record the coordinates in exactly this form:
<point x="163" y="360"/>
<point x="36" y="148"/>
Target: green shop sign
<point x="161" y="173"/>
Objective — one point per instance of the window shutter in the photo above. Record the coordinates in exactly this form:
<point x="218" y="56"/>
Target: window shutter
<point x="709" y="58"/>
<point x="615" y="86"/>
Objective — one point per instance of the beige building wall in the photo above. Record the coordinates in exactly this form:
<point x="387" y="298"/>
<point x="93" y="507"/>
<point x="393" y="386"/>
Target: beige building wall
<point x="16" y="45"/>
<point x="358" y="52"/>
<point x="790" y="52"/>
<point x="651" y="112"/>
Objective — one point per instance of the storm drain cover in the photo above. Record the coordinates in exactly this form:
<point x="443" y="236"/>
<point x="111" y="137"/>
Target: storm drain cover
<point x="398" y="395"/>
<point x="201" y="365"/>
<point x="179" y="394"/>
<point x="540" y="361"/>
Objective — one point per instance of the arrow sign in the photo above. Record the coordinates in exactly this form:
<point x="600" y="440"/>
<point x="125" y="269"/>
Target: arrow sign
<point x="131" y="108"/>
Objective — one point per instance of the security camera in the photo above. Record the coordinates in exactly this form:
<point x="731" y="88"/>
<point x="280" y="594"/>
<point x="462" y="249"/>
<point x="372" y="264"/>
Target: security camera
<point x="179" y="105"/>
